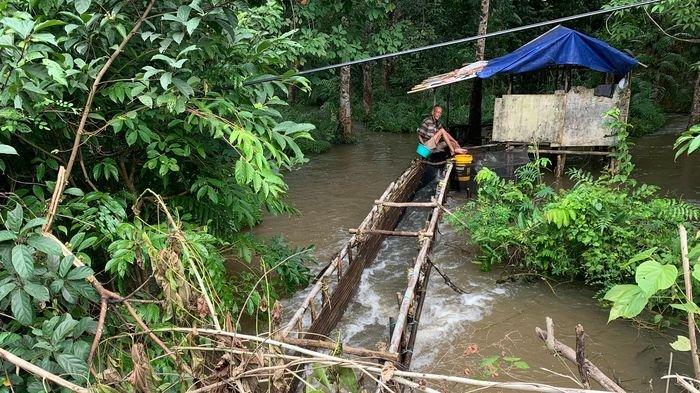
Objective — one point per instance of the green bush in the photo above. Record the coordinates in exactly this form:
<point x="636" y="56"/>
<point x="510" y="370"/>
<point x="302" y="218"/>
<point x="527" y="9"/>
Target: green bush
<point x="646" y="114"/>
<point x="589" y="232"/>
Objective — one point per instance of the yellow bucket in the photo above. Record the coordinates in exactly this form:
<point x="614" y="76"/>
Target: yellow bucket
<point x="463" y="159"/>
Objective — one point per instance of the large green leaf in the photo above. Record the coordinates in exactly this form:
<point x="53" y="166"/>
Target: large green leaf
<point x="38" y="292"/>
<point x="21" y="307"/>
<point x="82" y="5"/>
<point x="22" y="27"/>
<point x="72" y="364"/>
<point x="55" y="71"/>
<point x="63" y="329"/>
<point x="13" y="222"/>
<point x="652" y="276"/>
<point x="628" y="301"/>
<point x="681" y="344"/>
<point x="44" y="244"/>
<point x="80" y="273"/>
<point x="7" y="149"/>
<point x="7" y="235"/>
<point x="6" y="289"/>
<point x="23" y="260"/>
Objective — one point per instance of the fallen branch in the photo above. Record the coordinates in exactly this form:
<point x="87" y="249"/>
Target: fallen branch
<point x="40" y="372"/>
<point x="592" y="371"/>
<point x="324" y="358"/>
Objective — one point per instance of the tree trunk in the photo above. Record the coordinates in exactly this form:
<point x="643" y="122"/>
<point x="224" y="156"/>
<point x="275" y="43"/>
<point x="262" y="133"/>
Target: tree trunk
<point x="476" y="96"/>
<point x="291" y="94"/>
<point x="695" y="109"/>
<point x="387" y="70"/>
<point x="345" y="114"/>
<point x="367" y="88"/>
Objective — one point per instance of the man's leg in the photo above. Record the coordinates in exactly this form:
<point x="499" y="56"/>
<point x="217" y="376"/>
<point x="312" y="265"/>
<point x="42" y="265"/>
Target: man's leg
<point x="451" y="143"/>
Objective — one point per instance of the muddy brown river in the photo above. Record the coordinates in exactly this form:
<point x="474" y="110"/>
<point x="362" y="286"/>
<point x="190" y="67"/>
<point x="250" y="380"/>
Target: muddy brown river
<point x="458" y="332"/>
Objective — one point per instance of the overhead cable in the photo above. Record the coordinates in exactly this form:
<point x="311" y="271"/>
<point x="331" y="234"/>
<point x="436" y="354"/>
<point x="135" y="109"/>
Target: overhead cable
<point x="459" y="41"/>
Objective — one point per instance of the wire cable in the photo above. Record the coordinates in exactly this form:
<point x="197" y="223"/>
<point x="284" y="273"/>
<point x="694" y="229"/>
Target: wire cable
<point x="457" y="41"/>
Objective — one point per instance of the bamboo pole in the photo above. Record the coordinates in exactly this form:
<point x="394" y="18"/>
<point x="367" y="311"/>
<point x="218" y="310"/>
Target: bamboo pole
<point x="362" y="352"/>
<point x="390" y="233"/>
<point x="404" y="204"/>
<point x="689" y="295"/>
<point x="409" y="294"/>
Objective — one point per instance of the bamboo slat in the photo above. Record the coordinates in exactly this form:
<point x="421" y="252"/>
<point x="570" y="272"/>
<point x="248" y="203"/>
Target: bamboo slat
<point x="426" y="243"/>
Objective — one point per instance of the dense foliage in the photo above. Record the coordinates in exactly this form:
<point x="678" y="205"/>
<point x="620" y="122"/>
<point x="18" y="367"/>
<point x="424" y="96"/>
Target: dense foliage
<point x="169" y="153"/>
<point x="663" y="37"/>
<point x="589" y="232"/>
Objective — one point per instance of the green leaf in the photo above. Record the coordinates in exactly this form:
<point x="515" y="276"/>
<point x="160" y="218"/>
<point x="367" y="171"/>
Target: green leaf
<point x="21" y="307"/>
<point x="82" y="5"/>
<point x="7" y="149"/>
<point x="49" y="23"/>
<point x="348" y="380"/>
<point x="146" y="100"/>
<point x="652" y="276"/>
<point x="22" y="27"/>
<point x="33" y="223"/>
<point x="521" y="365"/>
<point x="80" y="273"/>
<point x="22" y="260"/>
<point x="489" y="361"/>
<point x="38" y="292"/>
<point x="64" y="329"/>
<point x="641" y="256"/>
<point x="55" y="71"/>
<point x="72" y="364"/>
<point x="165" y="79"/>
<point x="681" y="344"/>
<point x="192" y="24"/>
<point x="321" y="376"/>
<point x="628" y="301"/>
<point x="687" y="307"/>
<point x="13" y="222"/>
<point x="74" y="191"/>
<point x="696" y="271"/>
<point x="6" y="289"/>
<point x="184" y="88"/>
<point x="44" y="244"/>
<point x="7" y="235"/>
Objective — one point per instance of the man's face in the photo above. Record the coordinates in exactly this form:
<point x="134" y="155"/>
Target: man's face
<point x="437" y="112"/>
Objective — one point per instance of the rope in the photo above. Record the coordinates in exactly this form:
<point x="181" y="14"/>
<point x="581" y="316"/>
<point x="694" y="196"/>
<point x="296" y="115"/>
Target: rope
<point x="447" y="279"/>
<point x="458" y="41"/>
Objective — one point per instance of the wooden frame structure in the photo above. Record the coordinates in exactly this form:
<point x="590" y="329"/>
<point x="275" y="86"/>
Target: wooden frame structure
<point x="334" y="286"/>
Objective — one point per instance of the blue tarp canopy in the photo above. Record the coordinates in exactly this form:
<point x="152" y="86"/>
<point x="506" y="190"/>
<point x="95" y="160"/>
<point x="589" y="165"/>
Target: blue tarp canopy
<point x="561" y="46"/>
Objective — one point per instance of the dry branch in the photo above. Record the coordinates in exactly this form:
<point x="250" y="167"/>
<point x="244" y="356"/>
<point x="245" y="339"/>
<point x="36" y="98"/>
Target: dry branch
<point x="317" y="357"/>
<point x="592" y="371"/>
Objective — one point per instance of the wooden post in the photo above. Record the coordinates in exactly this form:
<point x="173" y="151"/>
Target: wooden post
<point x="689" y="298"/>
<point x="550" y="333"/>
<point x="312" y="307"/>
<point x="561" y="162"/>
<point x="581" y="356"/>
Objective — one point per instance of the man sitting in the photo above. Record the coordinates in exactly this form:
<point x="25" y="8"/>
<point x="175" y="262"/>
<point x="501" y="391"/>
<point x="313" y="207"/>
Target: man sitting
<point x="434" y="136"/>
